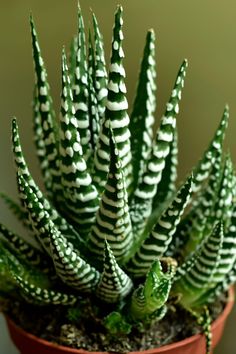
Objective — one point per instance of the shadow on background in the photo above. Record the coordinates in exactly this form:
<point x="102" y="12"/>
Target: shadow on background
<point x="202" y="31"/>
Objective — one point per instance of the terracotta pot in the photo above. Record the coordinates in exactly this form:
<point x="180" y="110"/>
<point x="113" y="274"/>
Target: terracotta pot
<point x="29" y="344"/>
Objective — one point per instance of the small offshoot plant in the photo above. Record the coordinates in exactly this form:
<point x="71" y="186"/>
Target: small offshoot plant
<point x="111" y="230"/>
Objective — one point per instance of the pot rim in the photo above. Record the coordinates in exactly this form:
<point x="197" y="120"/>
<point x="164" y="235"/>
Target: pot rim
<point x="182" y="343"/>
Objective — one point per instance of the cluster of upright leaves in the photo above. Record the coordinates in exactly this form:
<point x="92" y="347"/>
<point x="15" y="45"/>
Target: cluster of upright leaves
<point x="111" y="215"/>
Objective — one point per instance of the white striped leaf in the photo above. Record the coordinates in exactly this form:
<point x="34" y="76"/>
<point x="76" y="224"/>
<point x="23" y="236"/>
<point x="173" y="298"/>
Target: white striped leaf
<point x="45" y="126"/>
<point x="23" y="171"/>
<point x="220" y="288"/>
<point x="227" y="252"/>
<point x="94" y="119"/>
<point x="194" y="281"/>
<point x="200" y="214"/>
<point x="141" y="203"/>
<point x="80" y="89"/>
<point x="100" y="70"/>
<point x="25" y="250"/>
<point x="114" y="284"/>
<point x="167" y="185"/>
<point x="36" y="294"/>
<point x="113" y="219"/>
<point x="116" y="115"/>
<point x="80" y="195"/>
<point x="156" y="243"/>
<point x="142" y="116"/>
<point x="70" y="267"/>
<point x="202" y="170"/>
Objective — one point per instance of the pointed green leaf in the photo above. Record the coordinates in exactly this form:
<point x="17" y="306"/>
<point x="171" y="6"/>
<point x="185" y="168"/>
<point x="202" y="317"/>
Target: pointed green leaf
<point x="94" y="120"/>
<point x="40" y="144"/>
<point x="203" y="168"/>
<point x="70" y="267"/>
<point x="167" y="187"/>
<point x="156" y="243"/>
<point x="209" y="167"/>
<point x="45" y="119"/>
<point x="37" y="215"/>
<point x="141" y="203"/>
<point x="80" y="195"/>
<point x="100" y="70"/>
<point x="227" y="252"/>
<point x="36" y="294"/>
<point x="35" y="286"/>
<point x="73" y="54"/>
<point x="196" y="280"/>
<point x="142" y="116"/>
<point x="116" y="115"/>
<point x="220" y="288"/>
<point x="23" y="170"/>
<point x="16" y="268"/>
<point x="113" y="219"/>
<point x="114" y="284"/>
<point x="200" y="214"/>
<point x="80" y="89"/>
<point x="224" y="202"/>
<point x="214" y="204"/>
<point x="151" y="296"/>
<point x="25" y="250"/>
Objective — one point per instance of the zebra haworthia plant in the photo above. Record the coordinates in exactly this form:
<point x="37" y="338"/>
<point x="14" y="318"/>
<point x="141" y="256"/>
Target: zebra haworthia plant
<point x="111" y="223"/>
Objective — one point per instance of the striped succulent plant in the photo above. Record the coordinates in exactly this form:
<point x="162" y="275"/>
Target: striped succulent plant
<point x="111" y="223"/>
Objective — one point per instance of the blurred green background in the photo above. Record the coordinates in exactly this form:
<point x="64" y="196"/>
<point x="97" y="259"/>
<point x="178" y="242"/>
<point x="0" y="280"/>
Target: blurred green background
<point x="203" y="31"/>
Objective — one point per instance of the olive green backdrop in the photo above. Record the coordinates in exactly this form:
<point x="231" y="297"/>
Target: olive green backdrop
<point x="204" y="31"/>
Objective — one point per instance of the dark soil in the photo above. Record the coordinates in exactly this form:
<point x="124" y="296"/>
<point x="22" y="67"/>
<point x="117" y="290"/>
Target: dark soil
<point x="52" y="324"/>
